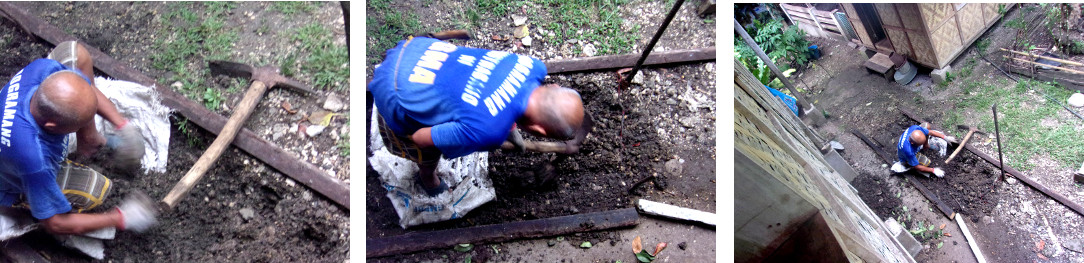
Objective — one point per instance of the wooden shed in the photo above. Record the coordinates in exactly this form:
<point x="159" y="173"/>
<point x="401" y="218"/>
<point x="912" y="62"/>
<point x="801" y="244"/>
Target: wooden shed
<point x="930" y="34"/>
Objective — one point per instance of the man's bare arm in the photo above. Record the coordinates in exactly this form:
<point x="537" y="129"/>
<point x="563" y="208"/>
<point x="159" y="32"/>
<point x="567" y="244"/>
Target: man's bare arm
<point x="923" y="168"/>
<point x="74" y="223"/>
<point x="423" y="137"/>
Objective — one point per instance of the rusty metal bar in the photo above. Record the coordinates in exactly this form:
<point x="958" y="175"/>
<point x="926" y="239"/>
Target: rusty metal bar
<point x="623" y="61"/>
<point x="418" y="241"/>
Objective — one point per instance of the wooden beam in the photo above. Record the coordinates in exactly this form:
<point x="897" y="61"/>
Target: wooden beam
<point x="303" y="172"/>
<point x="1045" y="65"/>
<point x="945" y="209"/>
<point x="624" y="61"/>
<point x="970" y="240"/>
<point x="16" y="251"/>
<point x="418" y="241"/>
<point x="1020" y="176"/>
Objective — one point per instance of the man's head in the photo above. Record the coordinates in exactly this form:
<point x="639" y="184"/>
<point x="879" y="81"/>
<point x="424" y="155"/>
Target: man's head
<point x="917" y="138"/>
<point x="553" y="111"/>
<point x="63" y="103"/>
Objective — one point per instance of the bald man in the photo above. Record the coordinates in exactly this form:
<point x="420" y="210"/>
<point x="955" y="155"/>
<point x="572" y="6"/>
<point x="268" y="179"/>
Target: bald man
<point x="436" y="98"/>
<point x="49" y="113"/>
<point x="913" y="140"/>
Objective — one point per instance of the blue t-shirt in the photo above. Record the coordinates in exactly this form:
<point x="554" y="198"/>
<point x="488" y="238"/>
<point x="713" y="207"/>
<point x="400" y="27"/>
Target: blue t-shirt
<point x="470" y="97"/>
<point x="905" y="150"/>
<point x="29" y="156"/>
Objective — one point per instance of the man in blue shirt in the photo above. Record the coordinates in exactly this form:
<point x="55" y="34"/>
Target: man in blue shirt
<point x="49" y="110"/>
<point x="436" y="98"/>
<point x="913" y="140"/>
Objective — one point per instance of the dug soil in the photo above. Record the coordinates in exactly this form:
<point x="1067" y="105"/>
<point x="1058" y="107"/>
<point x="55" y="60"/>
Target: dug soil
<point x="288" y="221"/>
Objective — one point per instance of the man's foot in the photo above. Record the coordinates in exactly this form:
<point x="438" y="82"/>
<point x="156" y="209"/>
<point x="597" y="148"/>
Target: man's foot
<point x="434" y="191"/>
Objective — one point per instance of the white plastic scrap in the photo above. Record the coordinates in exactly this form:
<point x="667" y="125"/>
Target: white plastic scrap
<point x="143" y="107"/>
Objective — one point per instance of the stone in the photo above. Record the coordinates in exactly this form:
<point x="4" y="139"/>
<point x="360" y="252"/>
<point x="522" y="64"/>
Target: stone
<point x="1078" y="177"/>
<point x="573" y="210"/>
<point x="333" y="103"/>
<point x="940" y="75"/>
<point x="518" y="20"/>
<point x="674" y="166"/>
<point x="852" y="45"/>
<point x="638" y="79"/>
<point x="551" y="243"/>
<point x="247" y="213"/>
<point x="1010" y="180"/>
<point x="176" y="85"/>
<point x="682" y="245"/>
<point x="527" y="41"/>
<point x="589" y="50"/>
<point x="836" y="145"/>
<point x="1076" y="100"/>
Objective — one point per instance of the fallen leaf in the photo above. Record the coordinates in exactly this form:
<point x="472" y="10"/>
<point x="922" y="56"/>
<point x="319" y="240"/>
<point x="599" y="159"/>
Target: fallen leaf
<point x="520" y="31"/>
<point x="1041" y="256"/>
<point x="636" y="245"/>
<point x="496" y="38"/>
<point x="467" y="259"/>
<point x="644" y="257"/>
<point x="585" y="244"/>
<point x="948" y="234"/>
<point x="659" y="248"/>
<point x="942" y="226"/>
<point x="939" y="244"/>
<point x="1040" y="245"/>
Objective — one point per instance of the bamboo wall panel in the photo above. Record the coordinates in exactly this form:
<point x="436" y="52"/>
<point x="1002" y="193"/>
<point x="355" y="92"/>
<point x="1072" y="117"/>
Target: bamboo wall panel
<point x="910" y="15"/>
<point x="888" y="15"/>
<point x="900" y="41"/>
<point x="935" y="14"/>
<point x="989" y="12"/>
<point x="971" y="22"/>
<point x="777" y="159"/>
<point x="945" y="40"/>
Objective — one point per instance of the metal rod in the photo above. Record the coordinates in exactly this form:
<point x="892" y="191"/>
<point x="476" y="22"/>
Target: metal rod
<point x="651" y="45"/>
<point x="771" y="65"/>
<point x="997" y="132"/>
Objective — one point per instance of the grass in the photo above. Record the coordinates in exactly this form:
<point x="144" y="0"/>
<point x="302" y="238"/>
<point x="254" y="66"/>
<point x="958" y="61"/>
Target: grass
<point x="1021" y="111"/>
<point x="595" y="21"/>
<point x="344" y="141"/>
<point x="192" y="36"/>
<point x="290" y="8"/>
<point x="327" y="63"/>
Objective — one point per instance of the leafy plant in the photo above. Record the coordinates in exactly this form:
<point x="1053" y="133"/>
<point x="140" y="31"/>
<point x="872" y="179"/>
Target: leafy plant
<point x="785" y="48"/>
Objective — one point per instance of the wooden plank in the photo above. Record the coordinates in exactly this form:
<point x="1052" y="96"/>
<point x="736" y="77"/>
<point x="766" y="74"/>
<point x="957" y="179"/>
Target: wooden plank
<point x="276" y="157"/>
<point x="1071" y="63"/>
<point x="1020" y="176"/>
<point x="1066" y="79"/>
<point x="16" y="251"/>
<point x="970" y="240"/>
<point x="625" y="61"/>
<point x="418" y="241"/>
<point x="945" y="209"/>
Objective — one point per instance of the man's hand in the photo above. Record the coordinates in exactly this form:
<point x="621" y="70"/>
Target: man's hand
<point x="517" y="140"/>
<point x="125" y="147"/>
<point x="137" y="212"/>
<point x="938" y="172"/>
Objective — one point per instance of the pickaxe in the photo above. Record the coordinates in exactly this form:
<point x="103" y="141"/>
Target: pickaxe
<point x="262" y="79"/>
<point x="970" y="130"/>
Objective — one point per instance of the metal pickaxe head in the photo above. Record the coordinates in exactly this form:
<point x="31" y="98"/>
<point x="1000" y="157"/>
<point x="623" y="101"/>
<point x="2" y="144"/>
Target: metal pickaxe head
<point x="969" y="128"/>
<point x="267" y="74"/>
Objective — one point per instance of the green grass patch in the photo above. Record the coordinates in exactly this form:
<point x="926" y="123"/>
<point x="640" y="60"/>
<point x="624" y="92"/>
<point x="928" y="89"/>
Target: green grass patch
<point x="1020" y="120"/>
<point x="192" y="37"/>
<point x="327" y="63"/>
<point x="595" y="21"/>
<point x="385" y="26"/>
<point x="292" y="7"/>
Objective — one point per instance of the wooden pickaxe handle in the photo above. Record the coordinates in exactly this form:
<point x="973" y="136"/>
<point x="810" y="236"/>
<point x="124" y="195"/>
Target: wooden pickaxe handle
<point x="233" y="125"/>
<point x="961" y="146"/>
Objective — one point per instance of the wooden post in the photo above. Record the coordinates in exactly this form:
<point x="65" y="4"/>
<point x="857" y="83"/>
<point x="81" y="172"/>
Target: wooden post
<point x="771" y="65"/>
